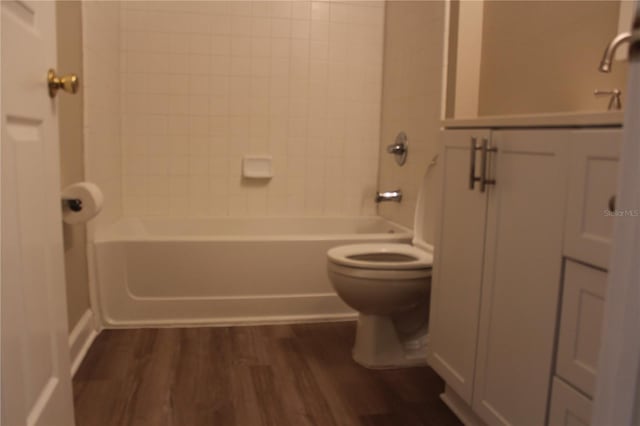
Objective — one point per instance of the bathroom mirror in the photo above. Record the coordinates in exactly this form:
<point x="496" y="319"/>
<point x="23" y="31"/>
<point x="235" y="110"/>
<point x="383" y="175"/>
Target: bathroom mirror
<point x="530" y="57"/>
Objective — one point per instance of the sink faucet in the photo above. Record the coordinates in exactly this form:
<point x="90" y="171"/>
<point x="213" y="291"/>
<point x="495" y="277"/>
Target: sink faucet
<point x="389" y="196"/>
<point x="607" y="57"/>
<point x="614" y="101"/>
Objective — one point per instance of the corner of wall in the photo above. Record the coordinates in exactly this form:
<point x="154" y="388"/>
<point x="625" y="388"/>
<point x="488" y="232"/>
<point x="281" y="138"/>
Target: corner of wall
<point x="101" y="86"/>
<point x="80" y="339"/>
<point x="102" y="127"/>
<point x="411" y="101"/>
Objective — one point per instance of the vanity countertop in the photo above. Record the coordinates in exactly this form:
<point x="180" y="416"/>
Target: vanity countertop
<point x="568" y="119"/>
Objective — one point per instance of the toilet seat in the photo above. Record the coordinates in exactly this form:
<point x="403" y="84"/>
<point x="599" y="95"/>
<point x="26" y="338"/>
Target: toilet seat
<point x="381" y="256"/>
<point x="379" y="276"/>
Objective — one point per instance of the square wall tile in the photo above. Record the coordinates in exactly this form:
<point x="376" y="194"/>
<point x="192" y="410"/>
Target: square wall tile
<point x="206" y="83"/>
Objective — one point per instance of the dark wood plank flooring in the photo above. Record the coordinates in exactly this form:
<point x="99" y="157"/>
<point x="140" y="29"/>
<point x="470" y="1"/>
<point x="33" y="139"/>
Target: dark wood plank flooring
<point x="298" y="375"/>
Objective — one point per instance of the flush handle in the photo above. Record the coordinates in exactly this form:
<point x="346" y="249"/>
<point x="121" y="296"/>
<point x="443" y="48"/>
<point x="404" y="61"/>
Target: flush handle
<point x="68" y="83"/>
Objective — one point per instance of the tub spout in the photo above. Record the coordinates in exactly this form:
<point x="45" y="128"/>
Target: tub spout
<point x="389" y="196"/>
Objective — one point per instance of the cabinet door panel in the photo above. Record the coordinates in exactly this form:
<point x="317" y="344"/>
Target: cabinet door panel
<point x="568" y="406"/>
<point x="455" y="292"/>
<point x="522" y="272"/>
<point x="593" y="180"/>
<point x="581" y="325"/>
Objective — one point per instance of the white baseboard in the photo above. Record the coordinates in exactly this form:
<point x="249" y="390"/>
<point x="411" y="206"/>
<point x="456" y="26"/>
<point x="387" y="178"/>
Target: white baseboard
<point x="80" y="339"/>
<point x="460" y="408"/>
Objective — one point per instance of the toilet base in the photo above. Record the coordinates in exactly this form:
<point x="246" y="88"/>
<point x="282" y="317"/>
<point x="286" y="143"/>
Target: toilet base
<point x="379" y="346"/>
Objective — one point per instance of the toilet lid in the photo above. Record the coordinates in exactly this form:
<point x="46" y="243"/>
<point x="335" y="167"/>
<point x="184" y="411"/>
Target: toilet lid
<point x="381" y="256"/>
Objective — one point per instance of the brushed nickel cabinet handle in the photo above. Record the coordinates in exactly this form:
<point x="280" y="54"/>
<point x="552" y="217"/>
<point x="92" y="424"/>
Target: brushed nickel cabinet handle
<point x="483" y="165"/>
<point x="472" y="167"/>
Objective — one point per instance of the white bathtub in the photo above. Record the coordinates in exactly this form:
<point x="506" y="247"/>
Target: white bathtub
<point x="227" y="270"/>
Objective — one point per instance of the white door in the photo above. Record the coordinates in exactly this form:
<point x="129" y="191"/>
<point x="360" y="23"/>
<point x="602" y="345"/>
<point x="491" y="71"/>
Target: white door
<point x="617" y="397"/>
<point x="455" y="291"/>
<point x="36" y="382"/>
<point x="522" y="273"/>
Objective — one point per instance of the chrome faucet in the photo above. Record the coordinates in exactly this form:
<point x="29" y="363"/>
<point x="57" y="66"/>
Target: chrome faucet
<point x="399" y="148"/>
<point x="607" y="57"/>
<point x="389" y="196"/>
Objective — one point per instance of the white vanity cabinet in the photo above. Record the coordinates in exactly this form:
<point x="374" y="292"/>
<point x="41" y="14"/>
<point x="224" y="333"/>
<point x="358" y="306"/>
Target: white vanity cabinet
<point x="497" y="272"/>
<point x="455" y="306"/>
<point x="581" y="316"/>
<point x="582" y="312"/>
<point x="593" y="174"/>
<point x="568" y="407"/>
<point x="521" y="277"/>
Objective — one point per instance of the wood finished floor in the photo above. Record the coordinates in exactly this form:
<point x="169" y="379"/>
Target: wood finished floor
<point x="282" y="375"/>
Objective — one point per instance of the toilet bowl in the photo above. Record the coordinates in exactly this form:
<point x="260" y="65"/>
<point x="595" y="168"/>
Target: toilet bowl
<point x="389" y="285"/>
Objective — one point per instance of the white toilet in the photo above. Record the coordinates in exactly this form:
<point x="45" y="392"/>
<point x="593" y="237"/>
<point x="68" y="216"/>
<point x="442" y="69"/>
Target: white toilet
<point x="389" y="285"/>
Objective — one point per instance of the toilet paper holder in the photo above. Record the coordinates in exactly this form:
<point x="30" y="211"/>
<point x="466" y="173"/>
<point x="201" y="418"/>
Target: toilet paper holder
<point x="74" y="204"/>
<point x="80" y="202"/>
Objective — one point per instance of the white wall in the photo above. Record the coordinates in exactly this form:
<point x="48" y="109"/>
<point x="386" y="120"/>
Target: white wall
<point x="101" y="91"/>
<point x="411" y="103"/>
<point x="70" y="126"/>
<point x="551" y="67"/>
<point x="205" y="83"/>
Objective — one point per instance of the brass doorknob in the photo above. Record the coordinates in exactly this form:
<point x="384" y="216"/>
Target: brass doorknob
<point x="68" y="83"/>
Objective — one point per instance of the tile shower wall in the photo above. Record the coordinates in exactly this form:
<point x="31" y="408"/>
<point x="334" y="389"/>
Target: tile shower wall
<point x="101" y="92"/>
<point x="204" y="83"/>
